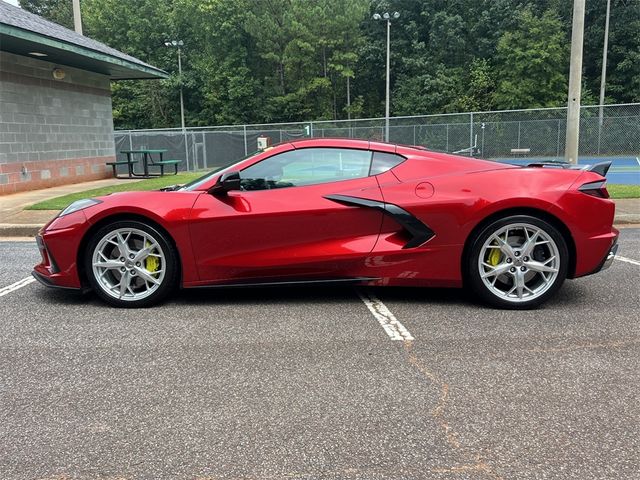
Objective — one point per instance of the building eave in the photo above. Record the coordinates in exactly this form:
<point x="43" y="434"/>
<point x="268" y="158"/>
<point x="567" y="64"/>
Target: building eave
<point x="22" y="42"/>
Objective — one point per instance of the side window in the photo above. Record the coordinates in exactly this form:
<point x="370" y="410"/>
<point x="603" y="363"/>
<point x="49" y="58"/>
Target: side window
<point x="384" y="161"/>
<point x="306" y="166"/>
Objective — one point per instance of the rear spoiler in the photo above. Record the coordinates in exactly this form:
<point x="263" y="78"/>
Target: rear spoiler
<point x="600" y="168"/>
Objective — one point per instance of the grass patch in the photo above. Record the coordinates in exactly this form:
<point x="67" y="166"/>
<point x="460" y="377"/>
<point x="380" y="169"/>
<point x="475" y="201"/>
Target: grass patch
<point x="623" y="191"/>
<point x="58" y="203"/>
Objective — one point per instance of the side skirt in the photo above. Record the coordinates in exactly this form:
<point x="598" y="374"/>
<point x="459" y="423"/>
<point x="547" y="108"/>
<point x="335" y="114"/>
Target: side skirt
<point x="272" y="283"/>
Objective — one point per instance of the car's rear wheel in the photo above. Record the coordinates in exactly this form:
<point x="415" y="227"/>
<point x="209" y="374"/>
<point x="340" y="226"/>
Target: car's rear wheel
<point x="130" y="264"/>
<point x="517" y="262"/>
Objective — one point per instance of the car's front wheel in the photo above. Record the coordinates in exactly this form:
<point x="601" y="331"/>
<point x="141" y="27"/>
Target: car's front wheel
<point x="130" y="264"/>
<point x="517" y="262"/>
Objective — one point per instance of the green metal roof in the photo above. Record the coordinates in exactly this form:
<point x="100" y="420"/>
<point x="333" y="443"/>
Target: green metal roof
<point x="22" y="32"/>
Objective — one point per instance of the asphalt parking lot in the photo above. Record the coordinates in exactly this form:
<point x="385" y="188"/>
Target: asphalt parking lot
<point x="302" y="383"/>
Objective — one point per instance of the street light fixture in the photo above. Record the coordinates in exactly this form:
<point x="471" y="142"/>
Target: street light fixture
<point x="387" y="17"/>
<point x="178" y="44"/>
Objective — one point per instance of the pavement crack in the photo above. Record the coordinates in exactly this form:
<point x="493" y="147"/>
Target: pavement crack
<point x="475" y="462"/>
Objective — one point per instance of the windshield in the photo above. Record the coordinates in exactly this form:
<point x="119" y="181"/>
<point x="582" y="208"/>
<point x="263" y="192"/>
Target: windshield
<point x="194" y="184"/>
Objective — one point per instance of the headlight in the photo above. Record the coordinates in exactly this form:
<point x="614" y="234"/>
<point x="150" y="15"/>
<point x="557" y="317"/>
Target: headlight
<point x="79" y="205"/>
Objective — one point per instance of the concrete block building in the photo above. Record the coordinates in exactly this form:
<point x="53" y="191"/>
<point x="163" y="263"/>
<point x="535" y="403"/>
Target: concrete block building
<point x="56" y="124"/>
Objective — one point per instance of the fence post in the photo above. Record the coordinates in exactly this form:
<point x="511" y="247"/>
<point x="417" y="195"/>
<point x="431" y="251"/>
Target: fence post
<point x="414" y="134"/>
<point x="519" y="124"/>
<point x="130" y="141"/>
<point x="558" y="141"/>
<point x="186" y="149"/>
<point x="447" y="149"/>
<point x="204" y="150"/>
<point x="194" y="152"/>
<point x="471" y="134"/>
<point x="310" y="129"/>
<point x="600" y="122"/>
<point x="244" y="129"/>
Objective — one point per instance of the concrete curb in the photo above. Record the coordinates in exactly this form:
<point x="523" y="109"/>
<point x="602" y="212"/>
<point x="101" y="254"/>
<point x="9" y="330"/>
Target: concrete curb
<point x="31" y="229"/>
<point x="19" y="230"/>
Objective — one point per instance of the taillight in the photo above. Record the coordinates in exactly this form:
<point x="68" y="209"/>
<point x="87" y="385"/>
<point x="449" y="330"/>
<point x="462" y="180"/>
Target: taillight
<point x="595" y="189"/>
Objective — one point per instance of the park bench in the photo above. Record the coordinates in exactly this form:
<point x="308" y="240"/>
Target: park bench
<point x="163" y="163"/>
<point x="127" y="162"/>
<point x="147" y="161"/>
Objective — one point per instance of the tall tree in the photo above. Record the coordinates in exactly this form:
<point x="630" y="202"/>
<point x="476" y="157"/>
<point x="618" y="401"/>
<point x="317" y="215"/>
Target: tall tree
<point x="58" y="11"/>
<point x="220" y="61"/>
<point x="623" y="63"/>
<point x="251" y="61"/>
<point x="532" y="63"/>
<point x="138" y="28"/>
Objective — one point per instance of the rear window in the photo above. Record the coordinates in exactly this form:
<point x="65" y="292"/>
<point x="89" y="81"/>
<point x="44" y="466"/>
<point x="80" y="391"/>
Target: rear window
<point x="384" y="161"/>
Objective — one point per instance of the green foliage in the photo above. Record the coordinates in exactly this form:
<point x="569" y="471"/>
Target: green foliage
<point x="250" y="61"/>
<point x="532" y="63"/>
<point x="481" y="83"/>
<point x="306" y="52"/>
<point x="59" y="11"/>
<point x="623" y="72"/>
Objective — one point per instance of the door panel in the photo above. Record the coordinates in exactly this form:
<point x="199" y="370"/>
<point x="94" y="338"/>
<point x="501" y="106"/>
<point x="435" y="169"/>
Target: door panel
<point x="285" y="232"/>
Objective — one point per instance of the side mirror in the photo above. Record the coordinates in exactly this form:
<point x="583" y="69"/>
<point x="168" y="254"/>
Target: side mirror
<point x="227" y="182"/>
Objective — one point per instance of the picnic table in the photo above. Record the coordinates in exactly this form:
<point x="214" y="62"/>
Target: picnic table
<point x="147" y="161"/>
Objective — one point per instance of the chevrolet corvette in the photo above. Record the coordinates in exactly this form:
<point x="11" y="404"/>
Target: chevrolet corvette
<point x="341" y="211"/>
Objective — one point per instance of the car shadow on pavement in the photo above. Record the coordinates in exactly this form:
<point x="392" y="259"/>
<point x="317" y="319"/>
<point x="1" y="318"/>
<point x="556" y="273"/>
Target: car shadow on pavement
<point x="63" y="297"/>
<point x="270" y="295"/>
<point x="570" y="294"/>
<point x="319" y="295"/>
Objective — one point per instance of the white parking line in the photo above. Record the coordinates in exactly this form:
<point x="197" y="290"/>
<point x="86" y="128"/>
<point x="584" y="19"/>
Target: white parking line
<point x="15" y="286"/>
<point x="628" y="260"/>
<point x="389" y="322"/>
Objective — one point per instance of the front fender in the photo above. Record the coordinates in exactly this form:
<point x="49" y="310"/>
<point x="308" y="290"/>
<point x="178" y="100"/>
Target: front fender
<point x="169" y="210"/>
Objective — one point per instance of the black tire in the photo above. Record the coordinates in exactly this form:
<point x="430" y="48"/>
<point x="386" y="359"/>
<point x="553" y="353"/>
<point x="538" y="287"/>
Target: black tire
<point x="155" y="294"/>
<point x="485" y="293"/>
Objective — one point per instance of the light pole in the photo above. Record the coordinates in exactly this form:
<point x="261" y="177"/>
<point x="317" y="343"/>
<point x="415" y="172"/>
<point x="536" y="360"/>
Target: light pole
<point x="77" y="17"/>
<point x="178" y="44"/>
<point x="388" y="17"/>
<point x="603" y="77"/>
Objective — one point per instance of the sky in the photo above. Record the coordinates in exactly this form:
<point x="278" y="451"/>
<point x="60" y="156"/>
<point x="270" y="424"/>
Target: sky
<point x="12" y="2"/>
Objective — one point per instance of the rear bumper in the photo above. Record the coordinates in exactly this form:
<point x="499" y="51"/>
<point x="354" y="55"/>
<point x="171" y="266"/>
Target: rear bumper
<point x="592" y="251"/>
<point x="608" y="258"/>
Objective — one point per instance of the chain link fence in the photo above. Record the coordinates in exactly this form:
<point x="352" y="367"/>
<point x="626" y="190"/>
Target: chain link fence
<point x="536" y="133"/>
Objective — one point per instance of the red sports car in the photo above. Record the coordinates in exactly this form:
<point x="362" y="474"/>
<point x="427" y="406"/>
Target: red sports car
<point x="336" y="210"/>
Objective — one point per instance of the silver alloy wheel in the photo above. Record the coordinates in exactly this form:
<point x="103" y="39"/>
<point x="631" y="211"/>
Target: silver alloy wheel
<point x="128" y="264"/>
<point x="519" y="262"/>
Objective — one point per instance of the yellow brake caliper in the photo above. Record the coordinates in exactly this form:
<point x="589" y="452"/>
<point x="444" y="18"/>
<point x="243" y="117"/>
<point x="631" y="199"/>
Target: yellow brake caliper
<point x="494" y="257"/>
<point x="151" y="263"/>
